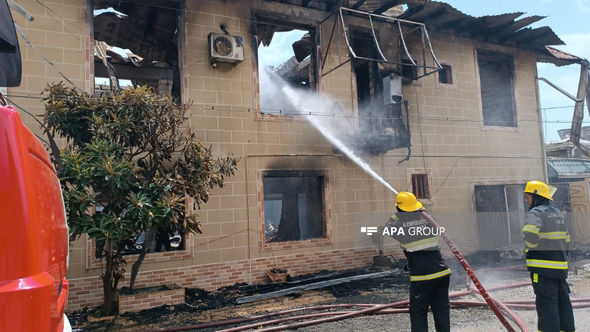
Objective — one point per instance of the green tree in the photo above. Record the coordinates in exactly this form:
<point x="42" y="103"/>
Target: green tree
<point x="128" y="165"/>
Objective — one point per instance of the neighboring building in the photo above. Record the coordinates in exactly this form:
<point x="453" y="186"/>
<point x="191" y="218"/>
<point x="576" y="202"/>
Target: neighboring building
<point x="572" y="177"/>
<point x="566" y="149"/>
<point x="295" y="203"/>
<point x="584" y="133"/>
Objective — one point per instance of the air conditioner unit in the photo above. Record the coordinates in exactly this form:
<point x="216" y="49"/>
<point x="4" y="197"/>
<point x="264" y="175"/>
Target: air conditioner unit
<point x="225" y="48"/>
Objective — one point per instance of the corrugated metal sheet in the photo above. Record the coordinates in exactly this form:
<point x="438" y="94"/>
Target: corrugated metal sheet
<point x="557" y="57"/>
<point x="570" y="167"/>
<point x="504" y="29"/>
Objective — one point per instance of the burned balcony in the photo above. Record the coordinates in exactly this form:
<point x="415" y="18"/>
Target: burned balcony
<point x="385" y="53"/>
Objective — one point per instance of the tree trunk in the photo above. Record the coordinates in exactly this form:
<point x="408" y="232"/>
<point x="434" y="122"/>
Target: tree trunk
<point x="107" y="281"/>
<point x="149" y="236"/>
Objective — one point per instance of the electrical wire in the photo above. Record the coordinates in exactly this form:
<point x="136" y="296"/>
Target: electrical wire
<point x="295" y="113"/>
<point x="556" y="107"/>
<point x="50" y="10"/>
<point x="22" y="33"/>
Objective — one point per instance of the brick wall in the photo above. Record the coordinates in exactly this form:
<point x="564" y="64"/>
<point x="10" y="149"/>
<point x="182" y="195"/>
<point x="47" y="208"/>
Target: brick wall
<point x="88" y="291"/>
<point x="85" y="292"/>
<point x="142" y="301"/>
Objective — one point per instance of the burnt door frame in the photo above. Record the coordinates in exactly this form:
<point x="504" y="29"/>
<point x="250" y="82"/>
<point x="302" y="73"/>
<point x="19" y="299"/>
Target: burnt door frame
<point x="367" y="122"/>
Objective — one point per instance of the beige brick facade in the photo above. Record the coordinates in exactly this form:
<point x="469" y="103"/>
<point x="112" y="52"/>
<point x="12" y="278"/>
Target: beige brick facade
<point x="448" y="140"/>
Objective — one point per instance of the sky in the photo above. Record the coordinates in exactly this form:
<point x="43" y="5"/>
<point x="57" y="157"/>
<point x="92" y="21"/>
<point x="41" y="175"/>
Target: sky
<point x="569" y="19"/>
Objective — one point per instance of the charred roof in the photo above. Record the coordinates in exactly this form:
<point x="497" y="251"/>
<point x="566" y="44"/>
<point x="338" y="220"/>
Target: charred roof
<point x="510" y="29"/>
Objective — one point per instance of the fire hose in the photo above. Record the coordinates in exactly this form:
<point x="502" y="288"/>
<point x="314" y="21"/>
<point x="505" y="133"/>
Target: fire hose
<point x="491" y="302"/>
<point x="397" y="307"/>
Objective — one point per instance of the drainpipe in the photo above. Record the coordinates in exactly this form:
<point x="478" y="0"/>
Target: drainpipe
<point x="541" y="134"/>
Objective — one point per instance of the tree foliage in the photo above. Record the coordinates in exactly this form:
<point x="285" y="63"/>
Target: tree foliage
<point x="128" y="165"/>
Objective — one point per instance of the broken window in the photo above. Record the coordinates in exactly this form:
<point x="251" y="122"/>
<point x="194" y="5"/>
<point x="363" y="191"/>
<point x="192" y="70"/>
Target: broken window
<point x="496" y="75"/>
<point x="284" y="56"/>
<point x="445" y="75"/>
<point x="137" y="43"/>
<point x="420" y="186"/>
<point x="500" y="215"/>
<point x="164" y="240"/>
<point x="293" y="205"/>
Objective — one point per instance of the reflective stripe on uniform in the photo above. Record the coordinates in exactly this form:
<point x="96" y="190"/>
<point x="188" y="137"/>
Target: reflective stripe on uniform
<point x="556" y="265"/>
<point x="559" y="235"/>
<point x="530" y="245"/>
<point x="431" y="276"/>
<point x="531" y="229"/>
<point x="420" y="244"/>
<point x="535" y="277"/>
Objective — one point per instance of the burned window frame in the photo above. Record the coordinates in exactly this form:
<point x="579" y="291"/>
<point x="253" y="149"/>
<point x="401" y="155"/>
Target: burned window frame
<point x="324" y="239"/>
<point x="449" y="74"/>
<point x="178" y="74"/>
<point x="93" y="262"/>
<point x="183" y="251"/>
<point x="263" y="17"/>
<point x="508" y="59"/>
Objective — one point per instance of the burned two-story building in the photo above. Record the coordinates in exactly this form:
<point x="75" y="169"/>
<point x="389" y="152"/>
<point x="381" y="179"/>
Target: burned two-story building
<point x="435" y="101"/>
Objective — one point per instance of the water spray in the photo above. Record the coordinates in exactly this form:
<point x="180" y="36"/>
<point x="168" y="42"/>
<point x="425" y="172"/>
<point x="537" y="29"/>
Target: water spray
<point x="297" y="101"/>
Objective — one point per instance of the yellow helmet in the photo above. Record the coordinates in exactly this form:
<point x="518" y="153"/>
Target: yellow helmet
<point x="407" y="202"/>
<point x="538" y="187"/>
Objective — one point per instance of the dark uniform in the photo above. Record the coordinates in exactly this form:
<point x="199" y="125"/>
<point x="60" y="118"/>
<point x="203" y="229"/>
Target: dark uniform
<point x="429" y="273"/>
<point x="547" y="241"/>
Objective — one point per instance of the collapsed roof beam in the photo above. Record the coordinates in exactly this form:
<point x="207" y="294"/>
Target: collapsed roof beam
<point x="358" y="4"/>
<point x="515" y="26"/>
<point x="386" y="6"/>
<point x="430" y="17"/>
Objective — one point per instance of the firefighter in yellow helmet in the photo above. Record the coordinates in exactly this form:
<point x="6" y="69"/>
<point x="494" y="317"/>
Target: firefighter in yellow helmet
<point x="429" y="273"/>
<point x="547" y="241"/>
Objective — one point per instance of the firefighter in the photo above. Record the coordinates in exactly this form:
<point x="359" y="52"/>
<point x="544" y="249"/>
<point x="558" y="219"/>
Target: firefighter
<point x="547" y="240"/>
<point x="429" y="273"/>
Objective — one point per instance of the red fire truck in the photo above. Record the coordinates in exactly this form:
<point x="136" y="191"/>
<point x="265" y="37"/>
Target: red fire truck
<point x="33" y="229"/>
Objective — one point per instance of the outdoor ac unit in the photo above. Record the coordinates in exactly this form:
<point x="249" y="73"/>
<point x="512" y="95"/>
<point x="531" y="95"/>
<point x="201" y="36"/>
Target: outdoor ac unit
<point x="225" y="48"/>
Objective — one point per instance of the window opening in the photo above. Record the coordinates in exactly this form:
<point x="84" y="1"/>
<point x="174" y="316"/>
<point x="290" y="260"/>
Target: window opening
<point x="368" y="83"/>
<point x="284" y="52"/>
<point x="496" y="75"/>
<point x="445" y="75"/>
<point x="137" y="43"/>
<point x="293" y="206"/>
<point x="172" y="239"/>
<point x="500" y="215"/>
<point x="164" y="240"/>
